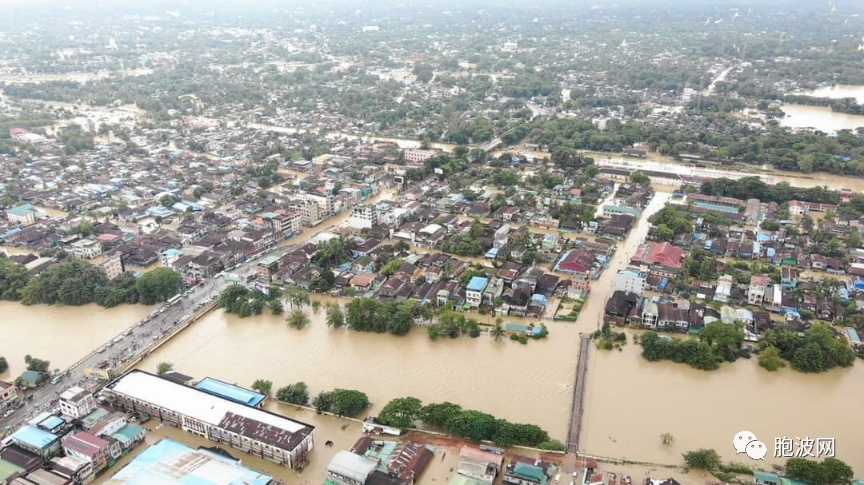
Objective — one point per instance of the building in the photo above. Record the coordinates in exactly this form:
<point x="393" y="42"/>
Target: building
<point x="231" y="392"/>
<point x="724" y="289"/>
<point x="24" y="215"/>
<point x="346" y="468"/>
<point x="112" y="266"/>
<point x="477" y="465"/>
<point x="8" y="394"/>
<point x="76" y="403"/>
<point x="526" y="471"/>
<point x="37" y="441"/>
<point x="96" y="451"/>
<point x="85" y="248"/>
<point x="415" y="155"/>
<point x="630" y="281"/>
<point x="168" y="461"/>
<point x="255" y="431"/>
<point x="363" y="217"/>
<point x="757" y="289"/>
<point x="474" y="290"/>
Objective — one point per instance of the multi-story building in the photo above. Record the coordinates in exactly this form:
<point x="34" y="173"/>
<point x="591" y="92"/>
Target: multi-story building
<point x="112" y="265"/>
<point x="363" y="217"/>
<point x="255" y="431"/>
<point x="85" y="248"/>
<point x="85" y="446"/>
<point x="310" y="212"/>
<point x="76" y="403"/>
<point x="630" y="281"/>
<point x="415" y="155"/>
<point x="23" y="214"/>
<point x="8" y="394"/>
<point x="474" y="290"/>
<point x="758" y="288"/>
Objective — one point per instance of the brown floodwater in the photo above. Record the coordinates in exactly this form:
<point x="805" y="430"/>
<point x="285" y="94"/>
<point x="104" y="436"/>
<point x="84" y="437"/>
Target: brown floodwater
<point x="525" y="383"/>
<point x="57" y="333"/>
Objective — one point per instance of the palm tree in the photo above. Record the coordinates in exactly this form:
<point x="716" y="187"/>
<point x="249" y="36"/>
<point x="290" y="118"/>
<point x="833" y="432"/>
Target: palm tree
<point x="298" y="319"/>
<point x="498" y="330"/>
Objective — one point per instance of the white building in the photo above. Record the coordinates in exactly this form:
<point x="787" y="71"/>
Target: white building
<point x="76" y="403"/>
<point x="113" y="266"/>
<point x="85" y="248"/>
<point x="23" y="214"/>
<point x="758" y="288"/>
<point x="416" y="155"/>
<point x="346" y="468"/>
<point x="363" y="217"/>
<point x="256" y="431"/>
<point x="630" y="281"/>
<point x="474" y="290"/>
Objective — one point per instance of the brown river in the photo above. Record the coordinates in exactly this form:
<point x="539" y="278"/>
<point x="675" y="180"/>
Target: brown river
<point x="628" y="405"/>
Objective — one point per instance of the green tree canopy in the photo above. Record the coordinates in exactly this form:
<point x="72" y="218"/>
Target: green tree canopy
<point x="401" y="412"/>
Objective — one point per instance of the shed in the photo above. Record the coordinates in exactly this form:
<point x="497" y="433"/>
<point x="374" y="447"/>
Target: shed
<point x="353" y="468"/>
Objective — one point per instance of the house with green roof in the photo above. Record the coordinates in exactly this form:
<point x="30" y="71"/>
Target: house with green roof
<point x="527" y="471"/>
<point x="23" y="214"/>
<point x="30" y="379"/>
<point x="766" y="478"/>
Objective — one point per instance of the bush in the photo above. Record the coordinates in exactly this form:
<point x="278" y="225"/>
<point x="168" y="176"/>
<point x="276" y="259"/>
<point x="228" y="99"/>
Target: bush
<point x="519" y="337"/>
<point x="705" y="459"/>
<point x="552" y="445"/>
<point x="297" y="393"/>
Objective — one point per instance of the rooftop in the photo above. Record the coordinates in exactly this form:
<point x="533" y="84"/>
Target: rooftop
<point x="354" y="467"/>
<point x="230" y="391"/>
<point x="34" y="437"/>
<point x="171" y="462"/>
<point x="252" y="422"/>
<point x="477" y="283"/>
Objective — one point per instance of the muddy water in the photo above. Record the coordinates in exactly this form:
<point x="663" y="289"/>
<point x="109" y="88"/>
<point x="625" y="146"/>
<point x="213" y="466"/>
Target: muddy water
<point x="631" y="402"/>
<point x="838" y="91"/>
<point x="821" y="118"/>
<point x="59" y="334"/>
<point x="476" y="373"/>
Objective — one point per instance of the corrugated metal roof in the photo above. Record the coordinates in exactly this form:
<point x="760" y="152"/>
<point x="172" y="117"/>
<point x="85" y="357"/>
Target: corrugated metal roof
<point x="353" y="467"/>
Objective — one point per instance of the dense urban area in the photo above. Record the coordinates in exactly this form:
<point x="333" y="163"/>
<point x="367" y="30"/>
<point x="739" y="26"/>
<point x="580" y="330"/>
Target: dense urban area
<point x="462" y="242"/>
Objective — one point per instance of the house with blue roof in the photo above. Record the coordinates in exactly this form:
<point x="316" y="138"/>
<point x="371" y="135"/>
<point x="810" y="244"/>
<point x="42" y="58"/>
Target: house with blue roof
<point x="38" y="441"/>
<point x="474" y="290"/>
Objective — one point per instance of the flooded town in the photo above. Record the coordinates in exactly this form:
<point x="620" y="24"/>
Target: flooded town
<point x="455" y="244"/>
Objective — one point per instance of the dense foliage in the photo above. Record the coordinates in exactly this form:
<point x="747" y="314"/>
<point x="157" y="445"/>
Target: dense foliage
<point x="671" y="221"/>
<point x="749" y="187"/>
<point x="830" y="470"/>
<point x="76" y="282"/>
<point x="463" y="423"/>
<point x="452" y="325"/>
<point x="297" y="393"/>
<point x="341" y="402"/>
<point x="717" y="342"/>
<point x="369" y="315"/>
<point x="242" y="301"/>
<point x="817" y="350"/>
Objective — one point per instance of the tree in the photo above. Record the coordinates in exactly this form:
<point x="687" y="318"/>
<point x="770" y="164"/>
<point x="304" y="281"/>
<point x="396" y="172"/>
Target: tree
<point x="473" y="425"/>
<point x="296" y="296"/>
<point x="438" y="415"/>
<point x="35" y="364"/>
<point x="640" y="178"/>
<point x="724" y="339"/>
<point x="769" y="359"/>
<point x="158" y="285"/>
<point x="347" y="402"/>
<point x="705" y="459"/>
<point x="836" y="471"/>
<point x="401" y="412"/>
<point x="297" y="393"/>
<point x="298" y="319"/>
<point x="163" y="368"/>
<point x="335" y="318"/>
<point x="323" y="401"/>
<point x="263" y="386"/>
<point x="276" y="307"/>
<point x="667" y="439"/>
<point x="806" y="470"/>
<point x="4" y="366"/>
<point x="497" y="331"/>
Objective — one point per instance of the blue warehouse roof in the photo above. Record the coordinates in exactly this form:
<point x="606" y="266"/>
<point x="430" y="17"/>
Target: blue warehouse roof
<point x="230" y="391"/>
